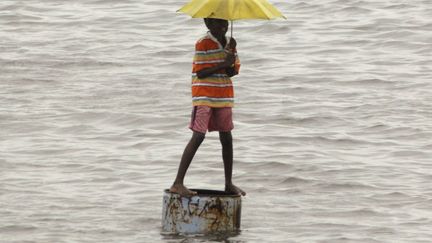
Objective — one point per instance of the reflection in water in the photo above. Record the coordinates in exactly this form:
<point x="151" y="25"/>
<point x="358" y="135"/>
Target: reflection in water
<point x="224" y="237"/>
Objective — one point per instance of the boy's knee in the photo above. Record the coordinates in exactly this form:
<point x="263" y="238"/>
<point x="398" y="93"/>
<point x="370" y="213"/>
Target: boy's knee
<point x="225" y="138"/>
<point x="199" y="137"/>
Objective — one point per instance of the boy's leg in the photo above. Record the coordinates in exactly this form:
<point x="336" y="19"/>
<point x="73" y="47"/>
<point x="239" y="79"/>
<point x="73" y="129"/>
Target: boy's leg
<point x="186" y="159"/>
<point x="227" y="155"/>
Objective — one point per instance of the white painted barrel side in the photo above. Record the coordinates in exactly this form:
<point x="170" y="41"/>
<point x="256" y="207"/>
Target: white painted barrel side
<point x="208" y="212"/>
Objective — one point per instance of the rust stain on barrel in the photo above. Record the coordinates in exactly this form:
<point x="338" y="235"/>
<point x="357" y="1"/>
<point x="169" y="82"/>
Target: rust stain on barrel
<point x="202" y="213"/>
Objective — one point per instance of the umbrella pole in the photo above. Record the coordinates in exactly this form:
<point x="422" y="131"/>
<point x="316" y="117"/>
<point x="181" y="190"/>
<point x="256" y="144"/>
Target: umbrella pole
<point x="231" y="29"/>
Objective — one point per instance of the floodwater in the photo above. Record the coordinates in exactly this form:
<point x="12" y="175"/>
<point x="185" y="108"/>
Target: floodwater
<point x="333" y="121"/>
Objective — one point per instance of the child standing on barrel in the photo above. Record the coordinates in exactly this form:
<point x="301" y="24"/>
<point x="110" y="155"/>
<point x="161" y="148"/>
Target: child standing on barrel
<point x="215" y="62"/>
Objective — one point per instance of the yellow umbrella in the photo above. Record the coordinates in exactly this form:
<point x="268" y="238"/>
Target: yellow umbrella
<point x="231" y="9"/>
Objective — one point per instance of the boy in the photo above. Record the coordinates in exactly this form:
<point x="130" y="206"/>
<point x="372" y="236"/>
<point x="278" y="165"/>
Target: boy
<point x="215" y="61"/>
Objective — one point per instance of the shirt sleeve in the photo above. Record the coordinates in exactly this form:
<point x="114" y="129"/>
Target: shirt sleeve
<point x="199" y="60"/>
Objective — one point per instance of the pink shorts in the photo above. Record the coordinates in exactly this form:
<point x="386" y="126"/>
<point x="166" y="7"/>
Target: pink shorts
<point x="212" y="119"/>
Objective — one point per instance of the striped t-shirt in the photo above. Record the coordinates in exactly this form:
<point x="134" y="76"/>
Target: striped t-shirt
<point x="215" y="90"/>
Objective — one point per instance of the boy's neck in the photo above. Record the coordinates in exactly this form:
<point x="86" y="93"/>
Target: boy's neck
<point x="220" y="38"/>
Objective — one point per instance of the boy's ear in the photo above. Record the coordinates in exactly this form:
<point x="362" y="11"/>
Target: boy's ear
<point x="207" y="22"/>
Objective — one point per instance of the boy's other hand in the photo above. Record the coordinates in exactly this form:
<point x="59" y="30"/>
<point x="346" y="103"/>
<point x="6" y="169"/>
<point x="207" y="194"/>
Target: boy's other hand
<point x="229" y="59"/>
<point x="232" y="44"/>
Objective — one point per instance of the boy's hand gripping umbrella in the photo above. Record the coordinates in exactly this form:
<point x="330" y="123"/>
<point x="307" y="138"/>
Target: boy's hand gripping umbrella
<point x="231" y="10"/>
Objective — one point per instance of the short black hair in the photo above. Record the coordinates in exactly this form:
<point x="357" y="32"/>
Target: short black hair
<point x="207" y="21"/>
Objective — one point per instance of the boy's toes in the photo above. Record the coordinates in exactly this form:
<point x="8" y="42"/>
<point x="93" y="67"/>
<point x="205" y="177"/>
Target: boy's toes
<point x="234" y="189"/>
<point x="182" y="190"/>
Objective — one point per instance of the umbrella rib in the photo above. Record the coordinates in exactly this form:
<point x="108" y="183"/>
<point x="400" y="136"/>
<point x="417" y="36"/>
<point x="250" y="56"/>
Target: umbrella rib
<point x="231" y="9"/>
<point x="263" y="8"/>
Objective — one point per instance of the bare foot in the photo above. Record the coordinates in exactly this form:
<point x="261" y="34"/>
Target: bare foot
<point x="182" y="190"/>
<point x="235" y="190"/>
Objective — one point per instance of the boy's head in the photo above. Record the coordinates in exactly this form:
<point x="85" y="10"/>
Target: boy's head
<point x="218" y="27"/>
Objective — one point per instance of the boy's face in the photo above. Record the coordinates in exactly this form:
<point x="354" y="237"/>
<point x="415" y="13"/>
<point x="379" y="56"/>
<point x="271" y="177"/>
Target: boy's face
<point x="218" y="27"/>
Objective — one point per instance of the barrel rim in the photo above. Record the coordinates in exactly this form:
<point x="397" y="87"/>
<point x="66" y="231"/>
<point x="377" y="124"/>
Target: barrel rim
<point x="208" y="192"/>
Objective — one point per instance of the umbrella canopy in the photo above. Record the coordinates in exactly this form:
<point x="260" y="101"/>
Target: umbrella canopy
<point x="231" y="9"/>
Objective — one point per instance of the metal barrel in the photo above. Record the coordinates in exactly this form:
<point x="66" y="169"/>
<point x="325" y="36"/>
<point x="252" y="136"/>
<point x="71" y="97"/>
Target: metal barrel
<point x="207" y="212"/>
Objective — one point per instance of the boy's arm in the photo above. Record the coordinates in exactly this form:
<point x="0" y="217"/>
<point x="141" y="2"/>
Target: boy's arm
<point x="231" y="71"/>
<point x="229" y="61"/>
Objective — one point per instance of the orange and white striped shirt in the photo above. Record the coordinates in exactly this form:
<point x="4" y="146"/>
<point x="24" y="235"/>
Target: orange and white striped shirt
<point x="217" y="89"/>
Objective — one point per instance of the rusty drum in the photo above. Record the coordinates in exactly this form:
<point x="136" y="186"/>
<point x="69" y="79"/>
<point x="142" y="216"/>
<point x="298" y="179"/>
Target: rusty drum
<point x="208" y="212"/>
